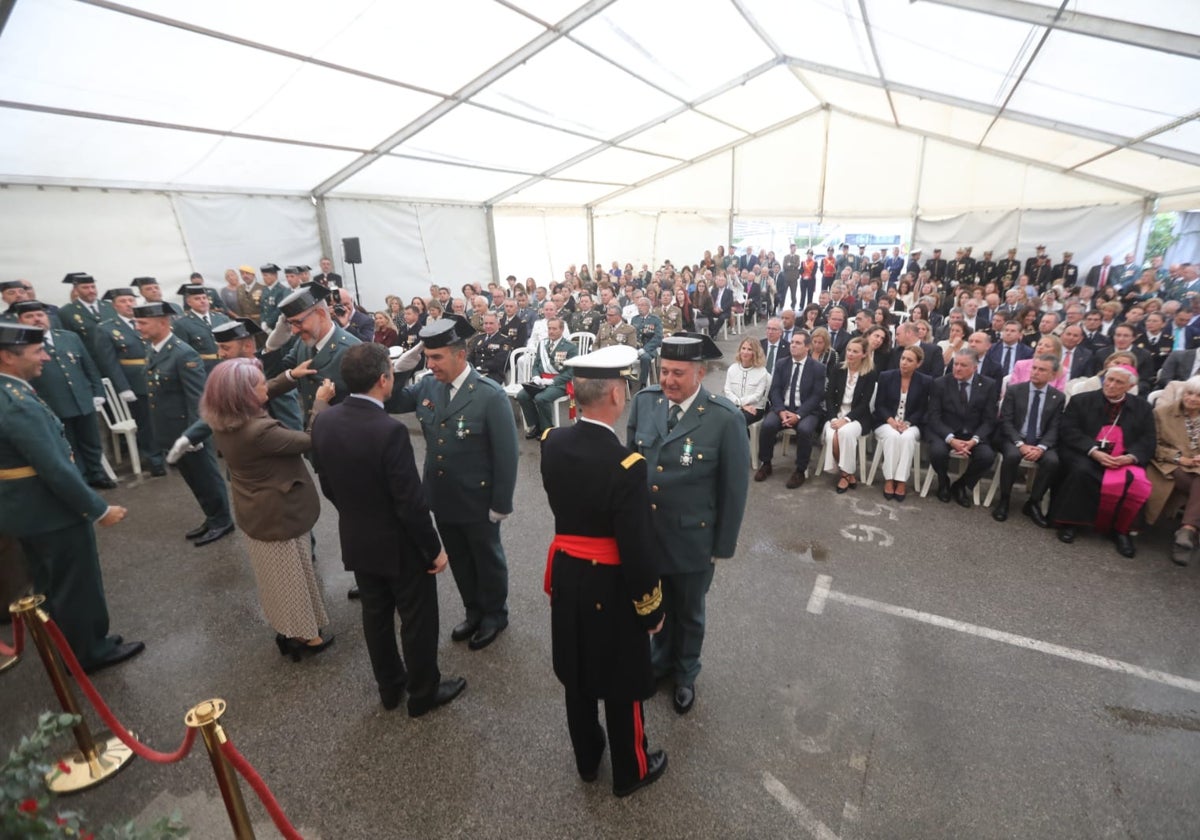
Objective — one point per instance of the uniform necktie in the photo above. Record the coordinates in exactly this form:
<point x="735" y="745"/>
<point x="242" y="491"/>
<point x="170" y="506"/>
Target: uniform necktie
<point x="1031" y="427"/>
<point x="449" y="392"/>
<point x="673" y="417"/>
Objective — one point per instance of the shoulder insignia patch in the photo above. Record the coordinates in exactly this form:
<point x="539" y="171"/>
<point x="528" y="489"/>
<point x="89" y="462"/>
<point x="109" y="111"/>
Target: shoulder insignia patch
<point x="190" y="365"/>
<point x="631" y="460"/>
<point x="545" y="434"/>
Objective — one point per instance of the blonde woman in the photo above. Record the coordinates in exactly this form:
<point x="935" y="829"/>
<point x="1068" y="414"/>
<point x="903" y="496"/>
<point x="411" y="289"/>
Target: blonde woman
<point x="748" y="380"/>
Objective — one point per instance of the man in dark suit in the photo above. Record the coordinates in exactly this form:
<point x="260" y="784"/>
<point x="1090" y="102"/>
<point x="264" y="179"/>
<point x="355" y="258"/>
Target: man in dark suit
<point x="1094" y="338"/>
<point x="1077" y="360"/>
<point x="1101" y="275"/>
<point x="791" y="275"/>
<point x="1179" y="366"/>
<point x="907" y="335"/>
<point x="936" y="266"/>
<point x="839" y="336"/>
<point x="747" y="261"/>
<point x="1029" y="416"/>
<point x="774" y="348"/>
<point x="1123" y="340"/>
<point x="366" y="467"/>
<point x="603" y="553"/>
<point x="961" y="418"/>
<point x="797" y="393"/>
<point x="1004" y="354"/>
<point x="722" y="298"/>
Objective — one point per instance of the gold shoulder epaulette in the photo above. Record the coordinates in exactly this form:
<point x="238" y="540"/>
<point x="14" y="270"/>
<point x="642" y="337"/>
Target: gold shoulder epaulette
<point x="631" y="460"/>
<point x="545" y="434"/>
<point x="649" y="603"/>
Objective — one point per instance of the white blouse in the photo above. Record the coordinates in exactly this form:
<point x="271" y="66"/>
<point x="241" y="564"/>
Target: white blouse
<point x="747" y="386"/>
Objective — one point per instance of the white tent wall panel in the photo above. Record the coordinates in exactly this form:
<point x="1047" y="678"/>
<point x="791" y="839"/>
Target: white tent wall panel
<point x="643" y="237"/>
<point x="954" y="180"/>
<point x="869" y="168"/>
<point x="226" y="231"/>
<point x="113" y="235"/>
<point x="987" y="230"/>
<point x="626" y="236"/>
<point x="539" y="243"/>
<point x="702" y="187"/>
<point x="408" y="247"/>
<point x="780" y="173"/>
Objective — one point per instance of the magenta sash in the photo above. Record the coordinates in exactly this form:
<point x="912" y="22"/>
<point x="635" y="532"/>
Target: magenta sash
<point x="1123" y="490"/>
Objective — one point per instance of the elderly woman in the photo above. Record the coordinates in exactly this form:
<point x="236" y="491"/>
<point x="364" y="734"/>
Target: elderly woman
<point x="900" y="403"/>
<point x="820" y="349"/>
<point x="274" y="500"/>
<point x="1106" y="440"/>
<point x="1176" y="466"/>
<point x="748" y="381"/>
<point x="848" y="391"/>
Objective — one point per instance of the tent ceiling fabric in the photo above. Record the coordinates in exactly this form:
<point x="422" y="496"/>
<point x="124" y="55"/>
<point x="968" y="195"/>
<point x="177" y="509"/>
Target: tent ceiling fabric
<point x="566" y="102"/>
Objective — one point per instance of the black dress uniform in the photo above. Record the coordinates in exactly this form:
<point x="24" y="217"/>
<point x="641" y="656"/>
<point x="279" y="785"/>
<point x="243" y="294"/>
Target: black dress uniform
<point x="602" y="609"/>
<point x="489" y="354"/>
<point x="515" y="330"/>
<point x="1009" y="269"/>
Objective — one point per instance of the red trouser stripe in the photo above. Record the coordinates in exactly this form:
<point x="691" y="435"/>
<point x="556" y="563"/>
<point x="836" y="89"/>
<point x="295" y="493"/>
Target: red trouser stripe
<point x="639" y="739"/>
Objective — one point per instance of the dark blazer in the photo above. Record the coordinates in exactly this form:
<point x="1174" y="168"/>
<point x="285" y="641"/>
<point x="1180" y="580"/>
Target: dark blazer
<point x="1177" y="367"/>
<point x="781" y="352"/>
<point x="860" y="403"/>
<point x="839" y="341"/>
<point x="811" y="390"/>
<point x="993" y="362"/>
<point x="273" y="493"/>
<point x="947" y="416"/>
<point x="887" y="398"/>
<point x="1093" y="276"/>
<point x="366" y="467"/>
<point x="722" y="299"/>
<point x="1015" y="406"/>
<point x="1082" y="363"/>
<point x="932" y="365"/>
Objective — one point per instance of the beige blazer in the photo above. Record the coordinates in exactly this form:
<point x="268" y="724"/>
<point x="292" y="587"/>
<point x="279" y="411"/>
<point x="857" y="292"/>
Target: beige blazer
<point x="1172" y="439"/>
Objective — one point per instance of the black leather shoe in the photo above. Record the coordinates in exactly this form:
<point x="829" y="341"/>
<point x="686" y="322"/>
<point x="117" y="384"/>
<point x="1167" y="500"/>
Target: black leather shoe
<point x="119" y="654"/>
<point x="961" y="494"/>
<point x="103" y="484"/>
<point x="656" y="765"/>
<point x="213" y="534"/>
<point x="352" y="593"/>
<point x="684" y="699"/>
<point x="1125" y="545"/>
<point x="198" y="531"/>
<point x="796" y="479"/>
<point x="464" y="631"/>
<point x="158" y="471"/>
<point x="1033" y="510"/>
<point x="116" y="638"/>
<point x="1066" y="535"/>
<point x="943" y="491"/>
<point x="447" y="691"/>
<point x="533" y="434"/>
<point x="483" y="637"/>
<point x="1000" y="511"/>
<point x="390" y="696"/>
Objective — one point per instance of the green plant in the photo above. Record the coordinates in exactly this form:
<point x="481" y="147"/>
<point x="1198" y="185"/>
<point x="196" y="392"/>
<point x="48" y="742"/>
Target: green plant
<point x="25" y="801"/>
<point x="1162" y="234"/>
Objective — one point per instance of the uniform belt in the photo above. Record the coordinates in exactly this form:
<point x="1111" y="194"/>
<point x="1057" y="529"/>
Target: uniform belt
<point x="597" y="549"/>
<point x="13" y="473"/>
<point x="133" y="362"/>
<point x="208" y="357"/>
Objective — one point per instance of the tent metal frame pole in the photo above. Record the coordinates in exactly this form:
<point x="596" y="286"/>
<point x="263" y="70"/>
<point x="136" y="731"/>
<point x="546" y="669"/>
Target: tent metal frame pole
<point x="323" y="225"/>
<point x="916" y="205"/>
<point x="591" y="237"/>
<point x="824" y="169"/>
<point x="732" y="192"/>
<point x="490" y="220"/>
<point x="1147" y="209"/>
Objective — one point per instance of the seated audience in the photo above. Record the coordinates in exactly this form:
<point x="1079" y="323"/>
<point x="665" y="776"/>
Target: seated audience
<point x="748" y="380"/>
<point x="848" y="392"/>
<point x="900" y="405"/>
<point x="1176" y="466"/>
<point x="385" y="333"/>
<point x="795" y="401"/>
<point x="962" y="416"/>
<point x="1029" y="419"/>
<point x="821" y="350"/>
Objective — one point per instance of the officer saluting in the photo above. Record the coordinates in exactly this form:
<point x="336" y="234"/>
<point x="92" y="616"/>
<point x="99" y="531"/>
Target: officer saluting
<point x="602" y="576"/>
<point x="698" y="462"/>
<point x="45" y="504"/>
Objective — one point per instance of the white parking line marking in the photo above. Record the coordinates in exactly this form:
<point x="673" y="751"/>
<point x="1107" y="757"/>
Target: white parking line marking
<point x="797" y="809"/>
<point x="822" y="593"/>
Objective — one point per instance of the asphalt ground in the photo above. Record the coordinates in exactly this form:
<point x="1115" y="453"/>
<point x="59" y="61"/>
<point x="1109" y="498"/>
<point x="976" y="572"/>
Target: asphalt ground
<point x="893" y="707"/>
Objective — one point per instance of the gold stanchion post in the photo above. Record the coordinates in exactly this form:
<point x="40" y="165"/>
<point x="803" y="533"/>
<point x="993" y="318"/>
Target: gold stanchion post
<point x="100" y="756"/>
<point x="204" y="716"/>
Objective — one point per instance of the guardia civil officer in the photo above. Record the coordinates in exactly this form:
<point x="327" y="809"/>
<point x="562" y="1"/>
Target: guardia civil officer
<point x="82" y="315"/>
<point x="602" y="575"/>
<point x="195" y="328"/>
<point x="175" y="378"/>
<point x="698" y="462"/>
<point x="273" y="293"/>
<point x="45" y="504"/>
<point x="70" y="384"/>
<point x="470" y="472"/>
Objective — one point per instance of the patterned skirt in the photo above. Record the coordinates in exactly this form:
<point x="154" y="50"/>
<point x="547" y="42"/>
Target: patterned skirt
<point x="287" y="586"/>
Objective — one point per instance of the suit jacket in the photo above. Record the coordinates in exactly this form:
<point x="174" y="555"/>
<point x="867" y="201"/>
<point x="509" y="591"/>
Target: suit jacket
<point x="70" y="379"/>
<point x="887" y="398"/>
<point x="723" y="300"/>
<point x="839" y="341"/>
<point x="273" y="493"/>
<point x="470" y="446"/>
<point x="860" y="403"/>
<point x="948" y="415"/>
<point x="993" y="362"/>
<point x="1082" y="363"/>
<point x="699" y="475"/>
<point x="175" y="380"/>
<point x="1093" y="276"/>
<point x="1015" y="406"/>
<point x="931" y="365"/>
<point x="781" y="353"/>
<point x="367" y="469"/>
<point x="811" y="389"/>
<point x="1177" y="367"/>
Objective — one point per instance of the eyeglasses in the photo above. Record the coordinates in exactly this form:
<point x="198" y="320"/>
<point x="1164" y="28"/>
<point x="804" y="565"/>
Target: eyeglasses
<point x="299" y="322"/>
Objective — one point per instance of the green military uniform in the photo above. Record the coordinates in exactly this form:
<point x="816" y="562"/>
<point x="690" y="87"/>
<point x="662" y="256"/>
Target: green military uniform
<point x="537" y="405"/>
<point x="250" y="299"/>
<point x="175" y="377"/>
<point x="45" y="504"/>
<point x="622" y="333"/>
<point x="699" y="471"/>
<point x="83" y="319"/>
<point x="193" y="330"/>
<point x="649" y="329"/>
<point x="327" y="362"/>
<point x="121" y="357"/>
<point x="589" y="321"/>
<point x="470" y="469"/>
<point x="271" y="296"/>
<point x="69" y="383"/>
<point x="671" y="317"/>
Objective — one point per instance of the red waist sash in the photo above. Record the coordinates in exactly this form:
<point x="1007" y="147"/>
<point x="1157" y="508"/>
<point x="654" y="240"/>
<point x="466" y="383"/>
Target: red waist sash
<point x="597" y="549"/>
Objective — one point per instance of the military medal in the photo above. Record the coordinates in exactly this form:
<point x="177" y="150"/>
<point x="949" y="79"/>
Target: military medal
<point x="462" y="427"/>
<point x="685" y="459"/>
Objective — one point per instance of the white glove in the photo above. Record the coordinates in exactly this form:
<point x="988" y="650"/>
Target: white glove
<point x="98" y="402"/>
<point x="496" y="517"/>
<point x="279" y="335"/>
<point x="180" y="448"/>
<point x="128" y="396"/>
<point x="409" y="359"/>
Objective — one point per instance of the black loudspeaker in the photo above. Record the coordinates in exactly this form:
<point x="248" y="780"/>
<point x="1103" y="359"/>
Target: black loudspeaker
<point x="351" y="252"/>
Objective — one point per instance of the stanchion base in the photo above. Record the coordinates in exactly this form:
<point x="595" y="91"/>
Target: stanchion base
<point x="112" y="756"/>
<point x="5" y="664"/>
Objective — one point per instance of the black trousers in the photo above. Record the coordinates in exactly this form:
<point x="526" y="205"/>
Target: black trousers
<point x="808" y="293"/>
<point x="626" y="736"/>
<point x="982" y="457"/>
<point x="480" y="570"/>
<point x="769" y="433"/>
<point x="412" y="594"/>
<point x="1010" y="465"/>
<point x="200" y="473"/>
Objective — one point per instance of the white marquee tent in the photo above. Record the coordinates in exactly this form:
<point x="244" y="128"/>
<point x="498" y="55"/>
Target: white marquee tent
<point x="465" y="139"/>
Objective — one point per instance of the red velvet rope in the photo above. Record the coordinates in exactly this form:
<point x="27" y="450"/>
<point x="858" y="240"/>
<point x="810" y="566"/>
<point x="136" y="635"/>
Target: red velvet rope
<point x="18" y="639"/>
<point x="106" y="715"/>
<point x="255" y="781"/>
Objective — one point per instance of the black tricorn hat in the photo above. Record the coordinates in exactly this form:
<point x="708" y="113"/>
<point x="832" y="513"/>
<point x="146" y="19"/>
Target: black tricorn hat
<point x="447" y="330"/>
<point x="19" y="335"/>
<point x="155" y="309"/>
<point x="690" y="347"/>
<point x="235" y="329"/>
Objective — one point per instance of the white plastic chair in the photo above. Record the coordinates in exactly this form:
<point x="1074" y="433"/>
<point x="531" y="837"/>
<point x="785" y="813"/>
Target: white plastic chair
<point x="120" y="422"/>
<point x="512" y="373"/>
<point x="584" y="340"/>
